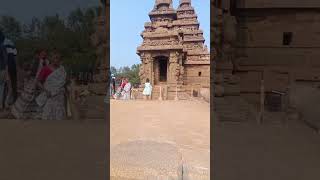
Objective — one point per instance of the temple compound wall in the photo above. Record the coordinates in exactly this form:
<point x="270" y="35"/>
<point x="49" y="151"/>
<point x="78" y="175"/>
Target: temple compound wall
<point x="173" y="51"/>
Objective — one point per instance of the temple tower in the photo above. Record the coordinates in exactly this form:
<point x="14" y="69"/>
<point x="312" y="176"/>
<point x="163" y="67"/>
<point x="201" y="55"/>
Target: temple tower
<point x="173" y="50"/>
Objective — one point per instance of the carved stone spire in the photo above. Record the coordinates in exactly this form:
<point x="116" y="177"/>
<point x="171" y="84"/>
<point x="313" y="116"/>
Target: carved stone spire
<point x="168" y="3"/>
<point x="185" y="1"/>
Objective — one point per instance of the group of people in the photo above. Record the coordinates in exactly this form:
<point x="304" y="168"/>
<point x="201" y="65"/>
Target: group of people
<point x="43" y="91"/>
<point x="124" y="90"/>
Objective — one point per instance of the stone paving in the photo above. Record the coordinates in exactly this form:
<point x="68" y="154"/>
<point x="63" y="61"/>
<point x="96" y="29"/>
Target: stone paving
<point x="184" y="125"/>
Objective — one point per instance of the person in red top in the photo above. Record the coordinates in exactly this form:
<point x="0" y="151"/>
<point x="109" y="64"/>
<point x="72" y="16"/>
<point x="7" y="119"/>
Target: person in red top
<point x="44" y="73"/>
<point x="52" y="80"/>
<point x="123" y="83"/>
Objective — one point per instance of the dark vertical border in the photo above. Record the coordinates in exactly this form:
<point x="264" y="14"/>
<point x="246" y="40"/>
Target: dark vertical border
<point x="107" y="104"/>
<point x="212" y="72"/>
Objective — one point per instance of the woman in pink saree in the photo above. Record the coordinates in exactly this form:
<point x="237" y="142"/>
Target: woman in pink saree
<point x="52" y="80"/>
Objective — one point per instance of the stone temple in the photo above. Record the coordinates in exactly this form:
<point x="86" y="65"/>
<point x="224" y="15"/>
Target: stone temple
<point x="267" y="54"/>
<point x="173" y="53"/>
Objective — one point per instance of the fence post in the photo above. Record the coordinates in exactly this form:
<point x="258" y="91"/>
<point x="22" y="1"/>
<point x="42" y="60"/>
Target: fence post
<point x="262" y="98"/>
<point x="176" y="98"/>
<point x="160" y="95"/>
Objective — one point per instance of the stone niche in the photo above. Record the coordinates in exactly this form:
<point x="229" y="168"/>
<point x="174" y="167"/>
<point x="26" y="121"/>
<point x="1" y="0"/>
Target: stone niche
<point x="164" y="67"/>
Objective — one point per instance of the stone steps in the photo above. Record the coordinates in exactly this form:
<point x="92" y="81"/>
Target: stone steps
<point x="167" y="94"/>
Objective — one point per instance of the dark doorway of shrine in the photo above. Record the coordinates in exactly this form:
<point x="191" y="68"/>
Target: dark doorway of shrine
<point x="161" y="70"/>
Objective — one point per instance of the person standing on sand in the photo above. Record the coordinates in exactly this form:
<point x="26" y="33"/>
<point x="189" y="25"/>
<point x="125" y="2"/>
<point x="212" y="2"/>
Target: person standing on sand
<point x="112" y="85"/>
<point x="123" y="83"/>
<point x="52" y="80"/>
<point x="147" y="91"/>
<point x="126" y="90"/>
<point x="12" y="71"/>
<point x="40" y="61"/>
<point x="25" y="106"/>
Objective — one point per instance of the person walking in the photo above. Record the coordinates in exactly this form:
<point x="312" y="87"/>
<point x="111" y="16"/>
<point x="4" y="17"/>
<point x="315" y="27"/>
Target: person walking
<point x="147" y="91"/>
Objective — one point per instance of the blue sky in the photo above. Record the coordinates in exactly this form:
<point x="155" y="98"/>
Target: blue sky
<point x="127" y="22"/>
<point x="25" y="10"/>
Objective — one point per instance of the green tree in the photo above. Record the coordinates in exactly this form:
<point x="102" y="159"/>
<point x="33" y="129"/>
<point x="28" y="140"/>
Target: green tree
<point x="11" y="27"/>
<point x="70" y="36"/>
<point x="131" y="73"/>
<point x="113" y="70"/>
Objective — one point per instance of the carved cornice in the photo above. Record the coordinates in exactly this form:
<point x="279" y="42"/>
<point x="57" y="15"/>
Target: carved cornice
<point x="164" y="47"/>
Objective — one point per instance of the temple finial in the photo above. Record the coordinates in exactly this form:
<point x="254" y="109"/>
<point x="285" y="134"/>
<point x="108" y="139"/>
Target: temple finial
<point x="164" y="2"/>
<point x="185" y="1"/>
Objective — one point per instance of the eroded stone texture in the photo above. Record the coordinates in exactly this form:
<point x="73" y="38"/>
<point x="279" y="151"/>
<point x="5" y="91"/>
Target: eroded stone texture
<point x="99" y="40"/>
<point x="173" y="50"/>
<point x="275" y="41"/>
<point x="142" y="160"/>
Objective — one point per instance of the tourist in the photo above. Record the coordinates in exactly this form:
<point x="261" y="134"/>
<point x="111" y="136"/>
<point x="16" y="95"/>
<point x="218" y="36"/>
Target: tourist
<point x="40" y="61"/>
<point x="52" y="80"/>
<point x="126" y="90"/>
<point x="147" y="91"/>
<point x="12" y="71"/>
<point x="112" y="85"/>
<point x="26" y="107"/>
<point x="123" y="83"/>
<point x="3" y="70"/>
<point x="118" y="93"/>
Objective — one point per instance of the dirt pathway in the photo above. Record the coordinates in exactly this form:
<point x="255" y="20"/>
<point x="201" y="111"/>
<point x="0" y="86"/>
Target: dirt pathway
<point x="185" y="124"/>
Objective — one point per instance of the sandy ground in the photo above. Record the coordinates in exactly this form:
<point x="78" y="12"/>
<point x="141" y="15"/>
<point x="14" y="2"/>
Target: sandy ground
<point x="52" y="150"/>
<point x="266" y="152"/>
<point x="183" y="123"/>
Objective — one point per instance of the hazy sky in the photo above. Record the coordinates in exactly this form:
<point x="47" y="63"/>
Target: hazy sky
<point x="127" y="22"/>
<point x="24" y="10"/>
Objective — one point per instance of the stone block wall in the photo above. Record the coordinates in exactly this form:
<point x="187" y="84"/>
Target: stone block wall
<point x="277" y="3"/>
<point x="260" y="48"/>
<point x="197" y="74"/>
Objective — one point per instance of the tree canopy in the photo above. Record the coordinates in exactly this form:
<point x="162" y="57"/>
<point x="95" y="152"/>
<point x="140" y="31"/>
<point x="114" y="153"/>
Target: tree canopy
<point x="129" y="72"/>
<point x="71" y="36"/>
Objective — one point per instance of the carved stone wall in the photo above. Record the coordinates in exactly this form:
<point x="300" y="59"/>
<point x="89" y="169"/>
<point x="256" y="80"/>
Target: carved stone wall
<point x="176" y="35"/>
<point x="255" y="48"/>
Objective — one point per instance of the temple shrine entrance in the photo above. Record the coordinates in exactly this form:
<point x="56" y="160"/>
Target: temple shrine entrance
<point x="161" y="69"/>
<point x="163" y="66"/>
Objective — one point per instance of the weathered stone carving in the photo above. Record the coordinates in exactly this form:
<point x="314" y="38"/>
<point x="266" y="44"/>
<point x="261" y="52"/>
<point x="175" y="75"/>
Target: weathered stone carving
<point x="99" y="40"/>
<point x="172" y="33"/>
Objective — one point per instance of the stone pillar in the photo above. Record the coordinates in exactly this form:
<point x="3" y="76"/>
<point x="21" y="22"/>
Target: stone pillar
<point x="152" y="70"/>
<point x="174" y="68"/>
<point x="146" y="68"/>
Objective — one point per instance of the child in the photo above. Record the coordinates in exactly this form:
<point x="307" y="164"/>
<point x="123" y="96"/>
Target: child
<point x="147" y="89"/>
